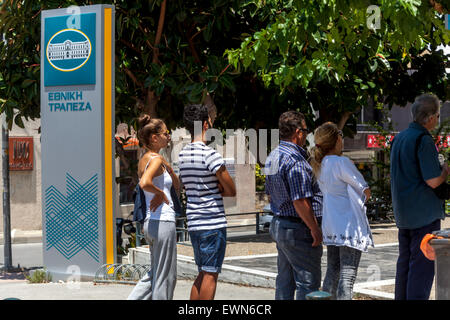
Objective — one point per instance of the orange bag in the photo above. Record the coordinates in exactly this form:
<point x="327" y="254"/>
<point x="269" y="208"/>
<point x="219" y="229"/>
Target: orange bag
<point x="426" y="248"/>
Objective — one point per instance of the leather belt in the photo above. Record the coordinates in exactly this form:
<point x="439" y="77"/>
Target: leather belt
<point x="292" y="219"/>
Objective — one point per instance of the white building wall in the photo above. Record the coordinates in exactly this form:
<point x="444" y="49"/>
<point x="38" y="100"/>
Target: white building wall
<point x="25" y="186"/>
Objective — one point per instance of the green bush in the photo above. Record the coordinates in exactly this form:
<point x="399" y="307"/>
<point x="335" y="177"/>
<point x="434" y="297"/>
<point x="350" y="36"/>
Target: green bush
<point x="39" y="276"/>
<point x="260" y="178"/>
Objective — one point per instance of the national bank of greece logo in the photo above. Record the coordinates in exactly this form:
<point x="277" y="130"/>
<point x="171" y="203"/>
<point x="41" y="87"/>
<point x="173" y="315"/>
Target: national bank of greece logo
<point x="68" y="50"/>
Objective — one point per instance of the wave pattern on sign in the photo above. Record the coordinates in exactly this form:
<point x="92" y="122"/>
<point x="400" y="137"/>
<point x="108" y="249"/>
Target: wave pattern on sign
<point x="72" y="221"/>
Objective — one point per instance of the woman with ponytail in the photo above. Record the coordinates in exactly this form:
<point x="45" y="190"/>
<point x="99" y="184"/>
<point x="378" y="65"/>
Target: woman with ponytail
<point x="345" y="227"/>
<point x="156" y="178"/>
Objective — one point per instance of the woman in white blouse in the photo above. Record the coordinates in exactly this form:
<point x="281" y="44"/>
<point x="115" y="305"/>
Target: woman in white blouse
<point x="345" y="227"/>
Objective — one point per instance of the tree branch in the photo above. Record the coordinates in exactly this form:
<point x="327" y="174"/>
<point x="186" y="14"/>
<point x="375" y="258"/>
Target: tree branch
<point x="344" y="119"/>
<point x="193" y="51"/>
<point x="131" y="46"/>
<point x="133" y="78"/>
<point x="151" y="99"/>
<point x="146" y="41"/>
<point x="162" y="15"/>
<point x="198" y="32"/>
<point x="36" y="14"/>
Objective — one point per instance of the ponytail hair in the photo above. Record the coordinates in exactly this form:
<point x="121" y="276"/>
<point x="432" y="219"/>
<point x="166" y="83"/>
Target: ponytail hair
<point x="148" y="126"/>
<point x="325" y="139"/>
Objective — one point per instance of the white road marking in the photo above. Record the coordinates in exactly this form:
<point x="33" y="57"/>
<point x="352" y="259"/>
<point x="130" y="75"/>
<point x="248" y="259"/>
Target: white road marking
<point x="251" y="271"/>
<point x="386" y="245"/>
<point x="371" y="284"/>
<point x="268" y="255"/>
<point x="374" y="293"/>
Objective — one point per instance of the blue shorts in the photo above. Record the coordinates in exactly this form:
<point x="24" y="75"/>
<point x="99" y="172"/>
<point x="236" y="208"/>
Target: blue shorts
<point x="209" y="249"/>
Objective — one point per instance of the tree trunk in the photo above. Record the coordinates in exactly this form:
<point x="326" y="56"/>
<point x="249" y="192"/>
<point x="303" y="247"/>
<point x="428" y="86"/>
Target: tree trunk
<point x="151" y="102"/>
<point x="151" y="99"/>
<point x="345" y="116"/>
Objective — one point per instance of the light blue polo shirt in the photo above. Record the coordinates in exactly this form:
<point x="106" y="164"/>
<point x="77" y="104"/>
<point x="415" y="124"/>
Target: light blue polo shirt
<point x="415" y="203"/>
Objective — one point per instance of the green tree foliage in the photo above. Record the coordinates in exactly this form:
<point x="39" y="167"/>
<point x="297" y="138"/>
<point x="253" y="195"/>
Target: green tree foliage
<point x="19" y="61"/>
<point x="291" y="54"/>
<point x="168" y="53"/>
<point x="183" y="66"/>
<point x="327" y="53"/>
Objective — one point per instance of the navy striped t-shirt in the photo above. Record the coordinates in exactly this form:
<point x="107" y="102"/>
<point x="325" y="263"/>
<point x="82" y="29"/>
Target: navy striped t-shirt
<point x="198" y="165"/>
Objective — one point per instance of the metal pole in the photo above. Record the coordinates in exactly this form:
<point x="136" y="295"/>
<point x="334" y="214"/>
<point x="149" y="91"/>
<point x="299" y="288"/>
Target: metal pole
<point x="6" y="200"/>
<point x="257" y="223"/>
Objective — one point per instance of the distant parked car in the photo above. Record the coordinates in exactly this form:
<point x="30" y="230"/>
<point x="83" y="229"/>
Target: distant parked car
<point x="265" y="218"/>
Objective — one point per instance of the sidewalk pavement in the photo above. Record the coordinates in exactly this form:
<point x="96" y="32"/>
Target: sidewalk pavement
<point x="89" y="291"/>
<point x="23" y="236"/>
<point x="242" y="277"/>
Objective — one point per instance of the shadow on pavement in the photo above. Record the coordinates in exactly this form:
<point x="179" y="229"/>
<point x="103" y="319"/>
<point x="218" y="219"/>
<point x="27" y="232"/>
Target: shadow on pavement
<point x="258" y="238"/>
<point x="12" y="276"/>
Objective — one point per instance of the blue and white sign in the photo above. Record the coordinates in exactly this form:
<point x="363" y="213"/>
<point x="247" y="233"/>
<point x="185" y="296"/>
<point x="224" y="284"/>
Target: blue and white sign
<point x="69" y="52"/>
<point x="77" y="121"/>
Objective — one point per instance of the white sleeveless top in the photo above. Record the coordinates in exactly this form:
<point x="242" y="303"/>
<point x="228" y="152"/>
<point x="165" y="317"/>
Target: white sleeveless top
<point x="164" y="212"/>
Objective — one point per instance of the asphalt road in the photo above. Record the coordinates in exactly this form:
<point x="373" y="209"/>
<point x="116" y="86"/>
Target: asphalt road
<point x="28" y="255"/>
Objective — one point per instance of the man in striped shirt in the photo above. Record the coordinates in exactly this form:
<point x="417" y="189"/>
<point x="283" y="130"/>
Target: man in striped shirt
<point x="206" y="181"/>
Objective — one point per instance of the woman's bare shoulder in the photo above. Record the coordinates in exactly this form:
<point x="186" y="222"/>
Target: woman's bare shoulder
<point x="143" y="161"/>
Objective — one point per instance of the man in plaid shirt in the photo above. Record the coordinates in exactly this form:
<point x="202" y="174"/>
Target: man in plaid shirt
<point x="296" y="201"/>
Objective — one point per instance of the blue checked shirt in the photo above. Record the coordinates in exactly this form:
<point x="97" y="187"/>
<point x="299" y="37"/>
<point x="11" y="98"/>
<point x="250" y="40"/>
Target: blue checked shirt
<point x="289" y="177"/>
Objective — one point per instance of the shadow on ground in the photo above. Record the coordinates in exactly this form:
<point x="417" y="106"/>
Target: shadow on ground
<point x="259" y="238"/>
<point x="12" y="276"/>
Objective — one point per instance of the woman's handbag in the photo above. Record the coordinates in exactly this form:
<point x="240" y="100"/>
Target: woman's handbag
<point x="140" y="207"/>
<point x="177" y="207"/>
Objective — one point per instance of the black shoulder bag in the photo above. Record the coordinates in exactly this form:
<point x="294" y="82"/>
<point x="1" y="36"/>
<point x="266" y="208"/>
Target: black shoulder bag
<point x="443" y="190"/>
<point x="140" y="207"/>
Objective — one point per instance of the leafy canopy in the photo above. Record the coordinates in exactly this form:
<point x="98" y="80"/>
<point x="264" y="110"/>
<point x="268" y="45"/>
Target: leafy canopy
<point x="256" y="58"/>
<point x="329" y="52"/>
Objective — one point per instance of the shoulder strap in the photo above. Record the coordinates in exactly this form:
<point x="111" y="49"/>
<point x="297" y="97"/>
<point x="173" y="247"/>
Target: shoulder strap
<point x="146" y="166"/>
<point x="151" y="158"/>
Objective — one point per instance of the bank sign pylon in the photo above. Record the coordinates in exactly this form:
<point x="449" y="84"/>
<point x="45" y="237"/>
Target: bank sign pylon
<point x="77" y="121"/>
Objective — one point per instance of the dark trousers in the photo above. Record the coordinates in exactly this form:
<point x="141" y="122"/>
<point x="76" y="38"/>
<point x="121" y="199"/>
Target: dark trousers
<point x="415" y="273"/>
<point x="298" y="263"/>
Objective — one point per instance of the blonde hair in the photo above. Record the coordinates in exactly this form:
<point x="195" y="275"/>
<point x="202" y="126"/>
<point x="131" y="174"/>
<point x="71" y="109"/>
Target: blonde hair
<point x="325" y="139"/>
